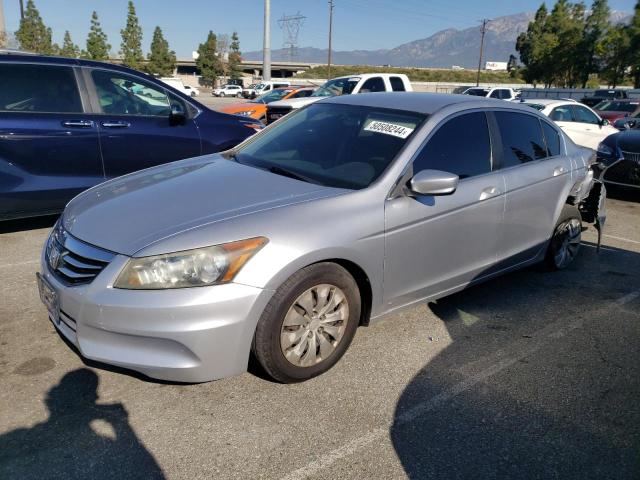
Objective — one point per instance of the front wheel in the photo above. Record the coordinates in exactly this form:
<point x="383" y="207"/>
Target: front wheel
<point x="308" y="324"/>
<point x="565" y="242"/>
<point x="222" y="94"/>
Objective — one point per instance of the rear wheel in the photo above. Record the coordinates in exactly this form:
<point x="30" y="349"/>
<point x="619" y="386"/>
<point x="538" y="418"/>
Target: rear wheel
<point x="308" y="324"/>
<point x="565" y="242"/>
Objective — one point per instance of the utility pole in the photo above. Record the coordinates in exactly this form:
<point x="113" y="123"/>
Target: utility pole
<point x="266" y="42"/>
<point x="3" y="30"/>
<point x="483" y="30"/>
<point x="330" y="33"/>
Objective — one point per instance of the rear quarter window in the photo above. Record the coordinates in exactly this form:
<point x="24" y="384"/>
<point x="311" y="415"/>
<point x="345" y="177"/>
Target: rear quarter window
<point x="552" y="139"/>
<point x="397" y="85"/>
<point x="522" y="139"/>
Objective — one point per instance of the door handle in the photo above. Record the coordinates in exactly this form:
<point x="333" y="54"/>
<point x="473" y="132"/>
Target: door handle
<point x="117" y="124"/>
<point x="489" y="192"/>
<point x="559" y="171"/>
<point x="78" y="123"/>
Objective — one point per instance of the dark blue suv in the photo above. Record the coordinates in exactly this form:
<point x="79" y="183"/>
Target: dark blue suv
<point x="67" y="124"/>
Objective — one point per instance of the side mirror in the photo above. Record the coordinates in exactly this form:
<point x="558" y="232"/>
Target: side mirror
<point x="604" y="122"/>
<point x="177" y="115"/>
<point x="434" y="182"/>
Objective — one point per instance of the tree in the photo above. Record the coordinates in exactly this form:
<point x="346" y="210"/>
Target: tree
<point x="162" y="61"/>
<point x="97" y="46"/>
<point x="615" y="54"/>
<point x="33" y="34"/>
<point x="634" y="50"/>
<point x="535" y="47"/>
<point x="131" y="46"/>
<point x="235" y="57"/>
<point x="567" y="23"/>
<point x="208" y="62"/>
<point x="69" y="49"/>
<point x="596" y="28"/>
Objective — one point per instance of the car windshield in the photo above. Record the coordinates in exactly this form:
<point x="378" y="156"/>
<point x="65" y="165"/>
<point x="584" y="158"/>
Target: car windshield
<point x="537" y="106"/>
<point x="337" y="86"/>
<point x="343" y="146"/>
<point x="478" y="92"/>
<point x="271" y="96"/>
<point x="615" y="106"/>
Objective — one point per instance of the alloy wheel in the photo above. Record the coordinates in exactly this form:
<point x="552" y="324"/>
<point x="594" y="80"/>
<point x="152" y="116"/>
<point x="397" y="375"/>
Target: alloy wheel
<point x="568" y="237"/>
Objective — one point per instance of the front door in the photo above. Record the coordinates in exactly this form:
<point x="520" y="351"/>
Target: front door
<point x="135" y="129"/>
<point x="49" y="149"/>
<point x="434" y="244"/>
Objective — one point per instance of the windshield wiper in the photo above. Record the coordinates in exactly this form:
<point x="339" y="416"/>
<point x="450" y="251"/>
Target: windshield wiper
<point x="288" y="173"/>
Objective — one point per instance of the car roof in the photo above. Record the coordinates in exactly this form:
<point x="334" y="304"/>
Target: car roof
<point x="550" y="101"/>
<point x="418" y="102"/>
<point x="369" y="75"/>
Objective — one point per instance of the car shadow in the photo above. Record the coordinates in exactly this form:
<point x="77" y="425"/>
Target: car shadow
<point x="502" y="400"/>
<point x="80" y="439"/>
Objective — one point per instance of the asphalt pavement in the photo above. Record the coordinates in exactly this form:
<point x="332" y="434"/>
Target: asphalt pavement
<point x="531" y="375"/>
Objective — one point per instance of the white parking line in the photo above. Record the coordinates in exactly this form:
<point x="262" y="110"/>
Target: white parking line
<point x="421" y="408"/>
<point x="622" y="239"/>
<point x="20" y="264"/>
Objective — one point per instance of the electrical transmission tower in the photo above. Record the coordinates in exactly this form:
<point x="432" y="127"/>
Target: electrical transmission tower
<point x="290" y="26"/>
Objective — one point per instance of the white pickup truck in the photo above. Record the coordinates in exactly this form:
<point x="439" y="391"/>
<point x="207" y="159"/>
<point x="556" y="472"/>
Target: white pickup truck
<point x="348" y="85"/>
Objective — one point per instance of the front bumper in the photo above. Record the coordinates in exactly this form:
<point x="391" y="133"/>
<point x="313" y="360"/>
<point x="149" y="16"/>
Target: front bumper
<point x="185" y="335"/>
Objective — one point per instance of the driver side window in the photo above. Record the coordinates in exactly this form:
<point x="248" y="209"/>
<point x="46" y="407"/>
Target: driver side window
<point x="122" y="95"/>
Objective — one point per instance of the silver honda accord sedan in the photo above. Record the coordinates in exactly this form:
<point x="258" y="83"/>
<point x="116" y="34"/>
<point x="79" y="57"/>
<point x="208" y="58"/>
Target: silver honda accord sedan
<point x="331" y="218"/>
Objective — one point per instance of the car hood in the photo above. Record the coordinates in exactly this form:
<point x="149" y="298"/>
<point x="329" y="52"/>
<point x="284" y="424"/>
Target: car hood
<point x="132" y="212"/>
<point x="295" y="102"/>
<point x="629" y="140"/>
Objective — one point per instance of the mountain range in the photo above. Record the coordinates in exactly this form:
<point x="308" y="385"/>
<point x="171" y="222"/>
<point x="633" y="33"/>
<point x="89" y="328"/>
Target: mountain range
<point x="441" y="50"/>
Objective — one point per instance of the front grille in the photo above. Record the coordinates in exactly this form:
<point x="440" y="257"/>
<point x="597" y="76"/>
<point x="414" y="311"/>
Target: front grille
<point x="276" y="113"/>
<point x="631" y="156"/>
<point x="625" y="172"/>
<point x="72" y="261"/>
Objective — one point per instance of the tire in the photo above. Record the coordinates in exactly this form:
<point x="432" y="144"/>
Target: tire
<point x="222" y="94"/>
<point x="289" y="339"/>
<point x="565" y="241"/>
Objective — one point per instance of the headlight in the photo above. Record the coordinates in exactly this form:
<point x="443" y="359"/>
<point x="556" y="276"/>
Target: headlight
<point x="247" y="113"/>
<point x="605" y="150"/>
<point x="191" y="268"/>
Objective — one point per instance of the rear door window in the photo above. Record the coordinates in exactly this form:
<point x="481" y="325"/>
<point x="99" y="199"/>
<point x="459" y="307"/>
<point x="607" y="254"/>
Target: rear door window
<point x="552" y="139"/>
<point x="397" y="85"/>
<point x="460" y="146"/>
<point x="522" y="139"/>
<point x="38" y="88"/>
<point x="374" y="84"/>
<point x="495" y="94"/>
<point x="561" y="114"/>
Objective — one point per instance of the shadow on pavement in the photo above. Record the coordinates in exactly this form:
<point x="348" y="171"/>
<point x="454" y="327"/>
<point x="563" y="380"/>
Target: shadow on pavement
<point x="540" y="379"/>
<point x="80" y="439"/>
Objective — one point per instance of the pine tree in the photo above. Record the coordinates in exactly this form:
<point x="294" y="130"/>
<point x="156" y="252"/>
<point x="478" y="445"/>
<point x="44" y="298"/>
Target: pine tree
<point x="615" y="54"/>
<point x="33" y="34"/>
<point x="634" y="39"/>
<point x="535" y="47"/>
<point x="97" y="46"/>
<point x="69" y="49"/>
<point x="208" y="62"/>
<point x="596" y="28"/>
<point x="162" y="61"/>
<point x="131" y="46"/>
<point x="235" y="57"/>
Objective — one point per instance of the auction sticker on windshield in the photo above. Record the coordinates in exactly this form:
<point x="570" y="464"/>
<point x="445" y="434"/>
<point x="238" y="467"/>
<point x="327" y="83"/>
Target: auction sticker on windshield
<point x="387" y="128"/>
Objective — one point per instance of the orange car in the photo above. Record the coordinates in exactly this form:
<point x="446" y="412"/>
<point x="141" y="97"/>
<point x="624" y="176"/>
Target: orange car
<point x="257" y="108"/>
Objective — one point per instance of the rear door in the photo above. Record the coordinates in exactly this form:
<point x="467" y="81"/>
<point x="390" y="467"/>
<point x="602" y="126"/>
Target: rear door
<point x="134" y="125"/>
<point x="537" y="178"/>
<point x="49" y="149"/>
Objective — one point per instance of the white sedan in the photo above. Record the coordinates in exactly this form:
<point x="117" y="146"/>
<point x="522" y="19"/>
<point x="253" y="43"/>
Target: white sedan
<point x="581" y="124"/>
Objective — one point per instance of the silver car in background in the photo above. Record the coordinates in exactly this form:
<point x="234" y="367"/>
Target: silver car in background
<point x="343" y="212"/>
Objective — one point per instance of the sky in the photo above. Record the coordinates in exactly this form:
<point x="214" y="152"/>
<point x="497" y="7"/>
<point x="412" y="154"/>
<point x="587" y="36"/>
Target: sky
<point x="358" y="24"/>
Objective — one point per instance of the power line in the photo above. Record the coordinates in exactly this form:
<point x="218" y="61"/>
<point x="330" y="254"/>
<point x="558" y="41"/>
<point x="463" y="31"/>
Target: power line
<point x="290" y="25"/>
<point x="483" y="30"/>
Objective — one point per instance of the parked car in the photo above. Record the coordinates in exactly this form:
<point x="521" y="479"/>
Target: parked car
<point x="619" y="158"/>
<point x="180" y="271"/>
<point x="601" y="95"/>
<point x="181" y="87"/>
<point x="579" y="122"/>
<point x="501" y="93"/>
<point x="227" y="91"/>
<point x="614" y="110"/>
<point x="267" y="86"/>
<point x="460" y="90"/>
<point x="257" y="108"/>
<point x="347" y="85"/>
<point x="67" y="124"/>
<point x="250" y="91"/>
<point x="625" y="123"/>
